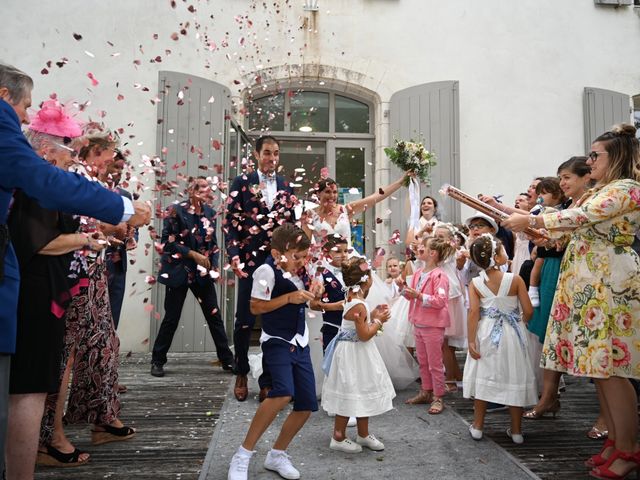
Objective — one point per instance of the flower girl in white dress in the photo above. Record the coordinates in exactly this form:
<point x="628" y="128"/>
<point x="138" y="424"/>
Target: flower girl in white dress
<point x="357" y="383"/>
<point x="498" y="368"/>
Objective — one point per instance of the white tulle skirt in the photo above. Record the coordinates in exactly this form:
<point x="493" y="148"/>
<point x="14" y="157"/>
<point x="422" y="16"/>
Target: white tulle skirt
<point x="402" y="367"/>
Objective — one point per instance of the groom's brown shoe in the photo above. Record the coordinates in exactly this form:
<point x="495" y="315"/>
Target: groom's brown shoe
<point x="241" y="390"/>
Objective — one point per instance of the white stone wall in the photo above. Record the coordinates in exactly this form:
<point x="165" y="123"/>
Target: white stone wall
<point x="522" y="66"/>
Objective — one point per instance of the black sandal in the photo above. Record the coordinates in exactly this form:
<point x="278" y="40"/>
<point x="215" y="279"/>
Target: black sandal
<point x="55" y="458"/>
<point x="111" y="434"/>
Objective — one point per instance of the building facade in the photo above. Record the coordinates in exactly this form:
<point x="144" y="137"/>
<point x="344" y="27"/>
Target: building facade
<point x="500" y="91"/>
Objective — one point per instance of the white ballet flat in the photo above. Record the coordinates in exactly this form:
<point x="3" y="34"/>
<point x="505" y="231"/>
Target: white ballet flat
<point x="516" y="438"/>
<point x="475" y="433"/>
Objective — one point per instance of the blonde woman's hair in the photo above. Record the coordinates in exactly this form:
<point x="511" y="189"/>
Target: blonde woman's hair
<point x="624" y="153"/>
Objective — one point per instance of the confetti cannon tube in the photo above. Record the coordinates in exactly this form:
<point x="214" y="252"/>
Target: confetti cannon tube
<point x="470" y="201"/>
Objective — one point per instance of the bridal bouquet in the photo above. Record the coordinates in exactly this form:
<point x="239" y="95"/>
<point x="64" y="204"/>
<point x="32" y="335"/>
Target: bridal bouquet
<point x="412" y="156"/>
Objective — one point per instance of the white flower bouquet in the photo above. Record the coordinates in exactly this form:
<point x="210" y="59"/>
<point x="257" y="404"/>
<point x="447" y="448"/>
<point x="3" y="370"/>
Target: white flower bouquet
<point x="412" y="156"/>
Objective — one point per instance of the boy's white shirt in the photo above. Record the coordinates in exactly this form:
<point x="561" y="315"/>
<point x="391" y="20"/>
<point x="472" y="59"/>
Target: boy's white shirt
<point x="335" y="271"/>
<point x="264" y="279"/>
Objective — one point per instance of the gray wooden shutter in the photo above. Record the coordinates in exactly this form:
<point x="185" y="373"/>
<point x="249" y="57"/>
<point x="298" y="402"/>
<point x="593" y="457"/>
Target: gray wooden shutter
<point x="191" y="116"/>
<point x="429" y="111"/>
<point x="602" y="110"/>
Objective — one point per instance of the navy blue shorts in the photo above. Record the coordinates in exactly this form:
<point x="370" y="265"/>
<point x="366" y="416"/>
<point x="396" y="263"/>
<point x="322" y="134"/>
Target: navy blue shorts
<point x="291" y="373"/>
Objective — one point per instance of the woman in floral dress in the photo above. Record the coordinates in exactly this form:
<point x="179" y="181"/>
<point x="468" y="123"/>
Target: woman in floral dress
<point x="594" y="327"/>
<point x="91" y="343"/>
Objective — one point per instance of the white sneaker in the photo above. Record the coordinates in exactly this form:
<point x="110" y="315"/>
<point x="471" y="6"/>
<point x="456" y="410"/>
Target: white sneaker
<point x="279" y="461"/>
<point x="239" y="467"/>
<point x="475" y="433"/>
<point x="534" y="296"/>
<point x="516" y="438"/>
<point x="352" y="422"/>
<point x="345" y="445"/>
<point x="371" y="442"/>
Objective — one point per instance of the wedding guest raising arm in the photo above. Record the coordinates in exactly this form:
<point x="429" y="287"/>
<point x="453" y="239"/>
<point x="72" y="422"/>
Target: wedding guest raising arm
<point x="331" y="217"/>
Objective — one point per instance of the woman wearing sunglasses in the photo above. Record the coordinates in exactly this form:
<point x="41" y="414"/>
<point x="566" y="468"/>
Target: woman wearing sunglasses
<point x="44" y="241"/>
<point x="594" y="327"/>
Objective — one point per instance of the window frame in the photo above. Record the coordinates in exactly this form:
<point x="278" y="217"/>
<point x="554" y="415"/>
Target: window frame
<point x="332" y="116"/>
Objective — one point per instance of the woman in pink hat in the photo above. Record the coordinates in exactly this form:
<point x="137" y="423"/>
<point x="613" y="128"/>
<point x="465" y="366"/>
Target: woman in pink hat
<point x="44" y="241"/>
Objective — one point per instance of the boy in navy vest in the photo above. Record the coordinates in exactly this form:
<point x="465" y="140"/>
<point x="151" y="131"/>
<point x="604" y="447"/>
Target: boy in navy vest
<point x="332" y="303"/>
<point x="280" y="294"/>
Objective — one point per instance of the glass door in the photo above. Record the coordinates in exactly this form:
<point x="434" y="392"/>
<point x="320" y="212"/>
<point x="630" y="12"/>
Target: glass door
<point x="350" y="164"/>
<point x="300" y="163"/>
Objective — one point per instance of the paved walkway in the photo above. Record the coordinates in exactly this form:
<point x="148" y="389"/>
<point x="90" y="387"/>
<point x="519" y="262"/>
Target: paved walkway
<point x="418" y="446"/>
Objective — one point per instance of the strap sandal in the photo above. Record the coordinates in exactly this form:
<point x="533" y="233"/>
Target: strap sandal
<point x="604" y="472"/>
<point x="422" y="398"/>
<point x="451" y="387"/>
<point x="55" y="458"/>
<point x="111" y="434"/>
<point x="597" y="434"/>
<point x="437" y="406"/>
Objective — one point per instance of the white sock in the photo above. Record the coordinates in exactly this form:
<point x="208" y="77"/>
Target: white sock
<point x="277" y="451"/>
<point x="533" y="290"/>
<point x="244" y="452"/>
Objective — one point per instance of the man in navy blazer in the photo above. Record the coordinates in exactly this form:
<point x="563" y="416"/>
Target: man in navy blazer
<point x="54" y="189"/>
<point x="258" y="202"/>
<point x="190" y="255"/>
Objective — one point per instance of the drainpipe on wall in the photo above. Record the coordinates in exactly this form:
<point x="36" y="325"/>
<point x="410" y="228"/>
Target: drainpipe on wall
<point x="382" y="178"/>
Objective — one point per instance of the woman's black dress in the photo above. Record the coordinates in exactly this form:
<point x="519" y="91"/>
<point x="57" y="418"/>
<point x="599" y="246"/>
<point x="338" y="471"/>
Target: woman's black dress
<point x="45" y="290"/>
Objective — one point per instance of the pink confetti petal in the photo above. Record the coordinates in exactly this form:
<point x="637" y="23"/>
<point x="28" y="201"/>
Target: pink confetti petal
<point x="94" y="80"/>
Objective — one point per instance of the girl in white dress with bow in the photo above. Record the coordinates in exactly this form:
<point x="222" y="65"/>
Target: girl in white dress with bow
<point x="357" y="382"/>
<point x="498" y="368"/>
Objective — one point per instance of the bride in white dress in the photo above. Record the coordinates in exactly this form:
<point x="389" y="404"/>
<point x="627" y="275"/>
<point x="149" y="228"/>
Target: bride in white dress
<point x="331" y="218"/>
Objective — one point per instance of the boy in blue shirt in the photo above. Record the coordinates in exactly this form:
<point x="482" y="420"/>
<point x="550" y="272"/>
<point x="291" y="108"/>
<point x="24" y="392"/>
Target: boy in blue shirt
<point x="280" y="294"/>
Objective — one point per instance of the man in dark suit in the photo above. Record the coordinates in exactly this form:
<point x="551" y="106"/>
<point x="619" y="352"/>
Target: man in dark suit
<point x="189" y="258"/>
<point x="258" y="202"/>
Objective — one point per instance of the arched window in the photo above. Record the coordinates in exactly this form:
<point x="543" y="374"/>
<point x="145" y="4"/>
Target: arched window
<point x="302" y="111"/>
<point x="318" y="129"/>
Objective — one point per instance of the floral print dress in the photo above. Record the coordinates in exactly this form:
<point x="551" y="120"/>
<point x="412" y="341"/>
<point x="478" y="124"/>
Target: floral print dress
<point x="594" y="327"/>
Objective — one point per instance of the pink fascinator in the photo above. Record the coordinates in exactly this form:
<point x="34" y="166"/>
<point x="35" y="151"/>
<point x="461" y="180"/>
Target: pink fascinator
<point x="53" y="120"/>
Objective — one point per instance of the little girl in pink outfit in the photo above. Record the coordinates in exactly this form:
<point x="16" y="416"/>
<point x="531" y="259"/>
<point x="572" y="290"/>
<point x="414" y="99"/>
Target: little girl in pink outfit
<point x="429" y="314"/>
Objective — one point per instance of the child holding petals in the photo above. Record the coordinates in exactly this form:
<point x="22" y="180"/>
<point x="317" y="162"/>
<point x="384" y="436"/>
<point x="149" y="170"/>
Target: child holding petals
<point x="429" y="314"/>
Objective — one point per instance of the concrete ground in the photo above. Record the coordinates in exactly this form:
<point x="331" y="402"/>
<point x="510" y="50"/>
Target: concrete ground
<point x="418" y="446"/>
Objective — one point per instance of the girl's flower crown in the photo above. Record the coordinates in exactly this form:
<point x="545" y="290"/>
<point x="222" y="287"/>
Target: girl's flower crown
<point x="492" y="261"/>
<point x="363" y="279"/>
